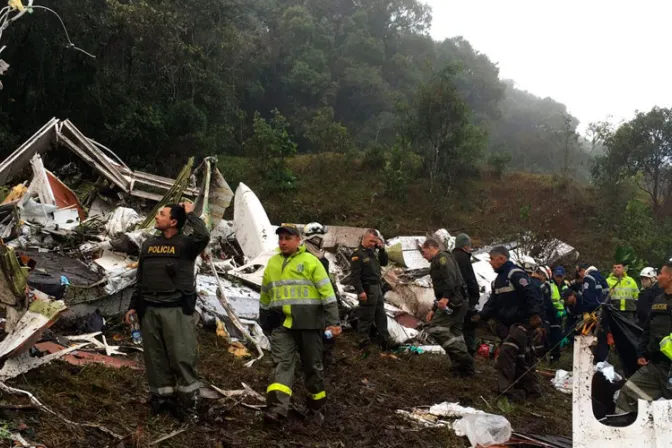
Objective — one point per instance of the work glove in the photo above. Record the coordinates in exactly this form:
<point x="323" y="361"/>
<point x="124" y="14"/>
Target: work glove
<point x="564" y="343"/>
<point x="535" y="321"/>
<point x="561" y="314"/>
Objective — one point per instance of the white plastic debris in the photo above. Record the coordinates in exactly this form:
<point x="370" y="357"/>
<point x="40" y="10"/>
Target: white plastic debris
<point x="563" y="381"/>
<point x="398" y="333"/>
<point x="122" y="220"/>
<point x="483" y="429"/>
<point x="608" y="371"/>
<point x="452" y="410"/>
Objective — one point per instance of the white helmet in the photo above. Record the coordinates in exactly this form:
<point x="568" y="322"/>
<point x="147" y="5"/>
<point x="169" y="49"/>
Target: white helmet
<point x="549" y="273"/>
<point x="648" y="273"/>
<point x="314" y="228"/>
<point x="542" y="270"/>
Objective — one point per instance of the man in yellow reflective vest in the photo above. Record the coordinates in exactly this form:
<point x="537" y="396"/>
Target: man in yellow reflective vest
<point x="298" y="307"/>
<point x="623" y="291"/>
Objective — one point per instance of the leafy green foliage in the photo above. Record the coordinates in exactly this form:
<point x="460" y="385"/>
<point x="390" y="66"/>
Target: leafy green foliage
<point x="272" y="146"/>
<point x="498" y="163"/>
<point x="178" y="78"/>
<point x="399" y="170"/>
<point x="439" y="127"/>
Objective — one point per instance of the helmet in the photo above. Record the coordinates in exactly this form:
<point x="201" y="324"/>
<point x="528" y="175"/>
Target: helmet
<point x="314" y="228"/>
<point x="542" y="270"/>
<point x="648" y="273"/>
<point x="549" y="273"/>
<point x="529" y="266"/>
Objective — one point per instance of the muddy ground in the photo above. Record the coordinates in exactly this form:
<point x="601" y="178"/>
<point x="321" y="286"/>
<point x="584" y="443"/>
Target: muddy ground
<point x="363" y="392"/>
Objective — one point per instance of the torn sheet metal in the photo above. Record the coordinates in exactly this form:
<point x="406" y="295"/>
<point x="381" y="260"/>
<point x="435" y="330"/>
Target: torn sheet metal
<point x="38" y="143"/>
<point x="243" y="300"/>
<point x="405" y="251"/>
<point x="64" y="197"/>
<point x="254" y="231"/>
<point x="215" y="196"/>
<point x="80" y="357"/>
<point x="42" y="214"/>
<point x="66" y="219"/>
<point x="24" y="363"/>
<point x="651" y="429"/>
<point x="557" y="250"/>
<point x="253" y="272"/>
<point x="41" y="314"/>
<point x="344" y="236"/>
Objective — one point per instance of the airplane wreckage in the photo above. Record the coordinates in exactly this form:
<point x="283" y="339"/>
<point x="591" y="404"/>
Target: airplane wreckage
<point x="69" y="239"/>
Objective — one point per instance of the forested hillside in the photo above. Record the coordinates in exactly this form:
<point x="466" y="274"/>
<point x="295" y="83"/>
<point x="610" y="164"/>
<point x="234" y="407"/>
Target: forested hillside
<point x="176" y="78"/>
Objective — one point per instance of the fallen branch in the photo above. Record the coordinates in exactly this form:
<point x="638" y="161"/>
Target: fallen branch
<point x="16" y="407"/>
<point x="232" y="315"/>
<point x="169" y="436"/>
<point x="39" y="405"/>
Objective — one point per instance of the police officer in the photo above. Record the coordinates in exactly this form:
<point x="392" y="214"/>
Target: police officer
<point x="462" y="254"/>
<point x="297" y="306"/>
<point x="164" y="300"/>
<point x="516" y="304"/>
<point x="549" y="315"/>
<point x="366" y="277"/>
<point x="654" y="350"/>
<point x="594" y="291"/>
<point x="450" y="307"/>
<point x="650" y="290"/>
<point x="623" y="291"/>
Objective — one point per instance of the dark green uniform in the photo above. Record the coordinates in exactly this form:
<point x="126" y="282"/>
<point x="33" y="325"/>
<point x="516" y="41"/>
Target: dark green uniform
<point x="649" y="382"/>
<point x="366" y="275"/>
<point x="164" y="299"/>
<point x="447" y="325"/>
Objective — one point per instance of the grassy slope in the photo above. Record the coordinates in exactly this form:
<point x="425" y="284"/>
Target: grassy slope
<point x="335" y="189"/>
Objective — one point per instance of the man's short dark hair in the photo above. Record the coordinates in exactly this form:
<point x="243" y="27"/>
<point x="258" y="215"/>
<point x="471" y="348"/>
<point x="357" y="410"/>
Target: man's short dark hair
<point x="431" y="242"/>
<point x="500" y="250"/>
<point x="373" y="232"/>
<point x="178" y="214"/>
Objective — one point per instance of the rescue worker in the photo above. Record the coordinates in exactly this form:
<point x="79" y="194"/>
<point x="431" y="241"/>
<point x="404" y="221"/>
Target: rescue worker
<point x="654" y="351"/>
<point x="297" y="305"/>
<point x="594" y="292"/>
<point x="517" y="305"/>
<point x="164" y="301"/>
<point x="313" y="234"/>
<point x="623" y="291"/>
<point x="650" y="290"/>
<point x="366" y="278"/>
<point x="549" y="314"/>
<point x="462" y="254"/>
<point x="447" y="316"/>
<point x="593" y="288"/>
<point x="558" y="285"/>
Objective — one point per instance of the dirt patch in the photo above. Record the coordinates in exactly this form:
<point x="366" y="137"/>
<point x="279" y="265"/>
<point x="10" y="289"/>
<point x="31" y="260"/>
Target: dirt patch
<point x="363" y="392"/>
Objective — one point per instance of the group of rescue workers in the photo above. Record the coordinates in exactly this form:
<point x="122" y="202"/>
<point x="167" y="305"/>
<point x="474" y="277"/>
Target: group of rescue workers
<point x="535" y="310"/>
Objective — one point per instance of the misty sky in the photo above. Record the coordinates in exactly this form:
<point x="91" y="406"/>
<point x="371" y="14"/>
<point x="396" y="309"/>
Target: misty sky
<point x="597" y="57"/>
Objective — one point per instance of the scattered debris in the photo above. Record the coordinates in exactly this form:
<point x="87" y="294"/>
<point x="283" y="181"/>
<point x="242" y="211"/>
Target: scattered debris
<point x="563" y="381"/>
<point x="483" y="429"/>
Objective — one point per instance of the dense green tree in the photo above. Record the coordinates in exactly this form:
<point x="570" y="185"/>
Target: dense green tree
<point x="641" y="149"/>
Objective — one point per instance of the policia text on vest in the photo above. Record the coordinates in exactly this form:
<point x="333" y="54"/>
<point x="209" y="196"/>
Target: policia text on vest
<point x="164" y="299"/>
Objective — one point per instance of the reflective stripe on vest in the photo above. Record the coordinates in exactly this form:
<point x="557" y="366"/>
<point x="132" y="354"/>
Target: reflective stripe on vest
<point x="509" y="287"/>
<point x="624" y="291"/>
